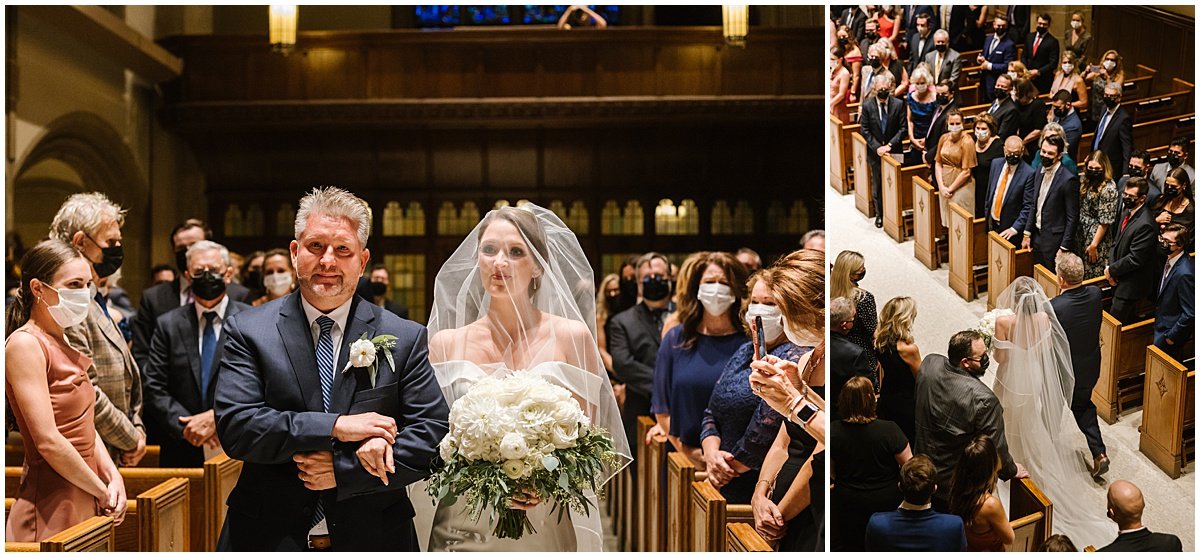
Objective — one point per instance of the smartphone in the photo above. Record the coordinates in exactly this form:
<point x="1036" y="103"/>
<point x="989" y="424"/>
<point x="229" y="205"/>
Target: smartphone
<point x="760" y="349"/>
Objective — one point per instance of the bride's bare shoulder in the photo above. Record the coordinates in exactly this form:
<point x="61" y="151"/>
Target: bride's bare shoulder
<point x="447" y="338"/>
<point x="574" y="329"/>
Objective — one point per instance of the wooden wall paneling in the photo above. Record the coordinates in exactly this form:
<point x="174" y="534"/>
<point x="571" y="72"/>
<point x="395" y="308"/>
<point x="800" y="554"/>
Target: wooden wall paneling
<point x="512" y="160"/>
<point x="457" y="159"/>
<point x="687" y="70"/>
<point x="275" y="76"/>
<point x="625" y="70"/>
<point x="736" y="161"/>
<point x="397" y="73"/>
<point x="219" y="76"/>
<point x="336" y="73"/>
<point x="510" y="71"/>
<point x="681" y="157"/>
<point x="623" y="159"/>
<point x="454" y="71"/>
<point x="569" y="160"/>
<point x="310" y="158"/>
<point x="566" y="70"/>
<point x="798" y="74"/>
<point x="1145" y="35"/>
<point x="402" y="159"/>
<point x="750" y="70"/>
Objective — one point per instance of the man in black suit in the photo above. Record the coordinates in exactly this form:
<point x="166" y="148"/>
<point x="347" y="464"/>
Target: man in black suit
<point x="1011" y="193"/>
<point x="1131" y="263"/>
<point x="884" y="123"/>
<point x="1139" y="166"/>
<point x="1041" y="54"/>
<point x="1114" y="129"/>
<point x="1125" y="507"/>
<point x="634" y="336"/>
<point x="1078" y="309"/>
<point x="379" y="291"/>
<point x="178" y="383"/>
<point x="1003" y="108"/>
<point x="846" y="359"/>
<point x="1051" y="228"/>
<point x="1018" y="21"/>
<point x="921" y="44"/>
<point x="1175" y="312"/>
<point x="855" y="18"/>
<point x="910" y="24"/>
<point x="947" y="101"/>
<point x="303" y="421"/>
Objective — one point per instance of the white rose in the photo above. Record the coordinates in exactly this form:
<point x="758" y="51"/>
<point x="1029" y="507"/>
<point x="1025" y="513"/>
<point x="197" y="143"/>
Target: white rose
<point x="514" y="468"/>
<point x="567" y="413"/>
<point x="564" y="438"/>
<point x="513" y="446"/>
<point x="446" y="447"/>
<point x="362" y="353"/>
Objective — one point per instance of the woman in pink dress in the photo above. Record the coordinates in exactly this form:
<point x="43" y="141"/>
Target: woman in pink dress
<point x="839" y="85"/>
<point x="67" y="476"/>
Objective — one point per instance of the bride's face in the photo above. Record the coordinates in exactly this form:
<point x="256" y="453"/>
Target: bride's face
<point x="506" y="264"/>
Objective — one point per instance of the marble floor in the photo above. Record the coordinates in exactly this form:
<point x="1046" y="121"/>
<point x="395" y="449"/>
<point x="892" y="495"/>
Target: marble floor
<point x="893" y="271"/>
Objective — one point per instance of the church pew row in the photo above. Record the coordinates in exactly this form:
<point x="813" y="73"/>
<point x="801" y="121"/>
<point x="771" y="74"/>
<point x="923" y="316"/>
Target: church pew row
<point x="898" y="197"/>
<point x="681" y="473"/>
<point x="839" y="155"/>
<point x="968" y="253"/>
<point x="14" y="455"/>
<point x="1148" y="134"/>
<point x="1122" y="363"/>
<point x="92" y="535"/>
<point x="862" y="175"/>
<point x="741" y="538"/>
<point x="1168" y="431"/>
<point x="1006" y="262"/>
<point x="649" y="514"/>
<point x="627" y="526"/>
<point x="1030" y="513"/>
<point x="710" y="515"/>
<point x="928" y="247"/>
<point x="125" y="535"/>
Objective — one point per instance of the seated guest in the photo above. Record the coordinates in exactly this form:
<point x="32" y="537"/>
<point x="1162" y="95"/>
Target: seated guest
<point x="1175" y="203"/>
<point x="900" y="360"/>
<point x="848" y="270"/>
<point x="1132" y="269"/>
<point x="1175" y="312"/>
<point x="1010" y="191"/>
<point x="278" y="276"/>
<point x="915" y="526"/>
<point x="866" y="456"/>
<point x="1125" y="506"/>
<point x="1058" y="542"/>
<point x="972" y="497"/>
<point x="67" y="475"/>
<point x="847" y="359"/>
<point x="1177" y="157"/>
<point x="184" y="354"/>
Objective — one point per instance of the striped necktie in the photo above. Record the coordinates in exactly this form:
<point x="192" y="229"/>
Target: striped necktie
<point x="325" y="368"/>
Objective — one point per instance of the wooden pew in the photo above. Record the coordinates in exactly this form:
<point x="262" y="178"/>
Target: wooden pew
<point x="125" y="535"/>
<point x="1179" y="101"/>
<point x="649" y="490"/>
<point x="741" y="537"/>
<point x="839" y="156"/>
<point x="92" y="535"/>
<point x="1031" y="514"/>
<point x="1150" y="134"/>
<point x="680" y="475"/>
<point x="14" y="455"/>
<point x="862" y="175"/>
<point x="163" y="521"/>
<point x="1005" y="263"/>
<point x="711" y="513"/>
<point x="968" y="253"/>
<point x="1168" y="412"/>
<point x="927" y="225"/>
<point x="1122" y="361"/>
<point x="221" y="475"/>
<point x="1138" y="83"/>
<point x="898" y="197"/>
<point x="628" y="526"/>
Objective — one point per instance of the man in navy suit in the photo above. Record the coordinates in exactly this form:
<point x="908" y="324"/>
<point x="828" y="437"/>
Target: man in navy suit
<point x="1051" y="227"/>
<point x="1003" y="108"/>
<point x="1065" y="115"/>
<point x="1125" y="507"/>
<point x="1041" y="54"/>
<point x="1175" y="313"/>
<point x="1114" y="129"/>
<point x="998" y="51"/>
<point x="328" y="449"/>
<point x="884" y="123"/>
<point x="1131" y="263"/>
<point x="1078" y="309"/>
<point x="1010" y="191"/>
<point x="915" y="526"/>
<point x="177" y="380"/>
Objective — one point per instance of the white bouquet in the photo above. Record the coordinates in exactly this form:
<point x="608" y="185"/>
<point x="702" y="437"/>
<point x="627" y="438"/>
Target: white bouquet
<point x="987" y="325"/>
<point x="516" y="435"/>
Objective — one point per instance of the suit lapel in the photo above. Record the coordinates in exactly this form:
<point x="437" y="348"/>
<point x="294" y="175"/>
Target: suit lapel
<point x="190" y="335"/>
<point x="297" y="341"/>
<point x="108" y="327"/>
<point x="361" y="320"/>
<point x="647" y="320"/>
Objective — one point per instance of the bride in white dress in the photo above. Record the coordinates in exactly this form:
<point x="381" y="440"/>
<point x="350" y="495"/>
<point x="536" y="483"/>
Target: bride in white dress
<point x="518" y="295"/>
<point x="1034" y="383"/>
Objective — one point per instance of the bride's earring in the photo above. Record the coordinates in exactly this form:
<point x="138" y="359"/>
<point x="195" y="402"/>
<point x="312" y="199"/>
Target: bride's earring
<point x="537" y="283"/>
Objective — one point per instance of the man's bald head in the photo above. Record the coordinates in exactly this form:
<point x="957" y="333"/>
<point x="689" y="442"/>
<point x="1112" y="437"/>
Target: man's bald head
<point x="1013" y="144"/>
<point x="1125" y="504"/>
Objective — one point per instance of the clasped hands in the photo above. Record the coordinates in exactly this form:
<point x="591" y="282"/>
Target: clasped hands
<point x="201" y="430"/>
<point x="378" y="434"/>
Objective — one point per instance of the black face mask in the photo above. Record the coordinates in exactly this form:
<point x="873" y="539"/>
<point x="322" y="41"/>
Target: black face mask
<point x="941" y="47"/>
<point x="181" y="259"/>
<point x="628" y="293"/>
<point x="208" y="286"/>
<point x="1174" y="159"/>
<point x="984" y="362"/>
<point x="1060" y="112"/>
<point x="943" y="100"/>
<point x="1164" y="249"/>
<point x="1012" y="159"/>
<point x="656" y="288"/>
<point x="1094" y="176"/>
<point x="1043" y="30"/>
<point x="378" y="288"/>
<point x="872" y="37"/>
<point x="1169" y="192"/>
<point x="1136" y="172"/>
<point x="843" y="41"/>
<point x="882" y="94"/>
<point x="1000" y="31"/>
<point x="254" y="279"/>
<point x="873" y="62"/>
<point x="999" y="94"/>
<point x="110" y="259"/>
<point x="1110" y="102"/>
<point x="1129" y="201"/>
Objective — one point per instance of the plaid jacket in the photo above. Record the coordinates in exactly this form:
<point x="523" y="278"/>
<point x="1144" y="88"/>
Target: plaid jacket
<point x="116" y="378"/>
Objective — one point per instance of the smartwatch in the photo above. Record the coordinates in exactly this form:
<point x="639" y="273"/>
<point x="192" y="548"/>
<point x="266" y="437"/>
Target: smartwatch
<point x="805" y="412"/>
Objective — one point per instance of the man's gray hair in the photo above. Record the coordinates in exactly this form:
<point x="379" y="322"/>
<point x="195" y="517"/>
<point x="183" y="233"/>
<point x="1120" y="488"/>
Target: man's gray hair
<point x="1070" y="267"/>
<point x="884" y="80"/>
<point x="840" y="310"/>
<point x="338" y="203"/>
<point x="941" y="33"/>
<point x="207" y="245"/>
<point x="1113" y="87"/>
<point x="85" y="212"/>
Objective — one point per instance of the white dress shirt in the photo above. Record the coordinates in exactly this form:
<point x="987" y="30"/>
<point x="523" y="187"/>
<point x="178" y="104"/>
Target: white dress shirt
<point x="1167" y="270"/>
<point x="1043" y="189"/>
<point x="218" y="321"/>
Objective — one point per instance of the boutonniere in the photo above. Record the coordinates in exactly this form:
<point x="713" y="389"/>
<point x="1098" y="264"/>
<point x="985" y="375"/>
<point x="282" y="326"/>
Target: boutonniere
<point x="362" y="354"/>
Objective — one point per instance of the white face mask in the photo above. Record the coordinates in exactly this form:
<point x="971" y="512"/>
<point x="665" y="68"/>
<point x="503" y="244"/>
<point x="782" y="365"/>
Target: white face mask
<point x="954" y="128"/>
<point x="981" y="134"/>
<point x="1109" y="65"/>
<point x="1076" y="24"/>
<point x="72" y="307"/>
<point x="1012" y="75"/>
<point x="716" y="298"/>
<point x="278" y="283"/>
<point x="1067" y="68"/>
<point x="772" y="319"/>
<point x="800" y="337"/>
<point x="922" y="87"/>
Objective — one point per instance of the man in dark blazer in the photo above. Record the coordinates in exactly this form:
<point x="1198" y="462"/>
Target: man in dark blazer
<point x="1175" y="312"/>
<point x="1041" y="54"/>
<point x="178" y="386"/>
<point x="1018" y="20"/>
<point x="1010" y="191"/>
<point x="998" y="51"/>
<point x="1125" y="507"/>
<point x="855" y="18"/>
<point x="885" y="124"/>
<point x="1131" y="263"/>
<point x="378" y="289"/>
<point x="915" y="526"/>
<point x="921" y="43"/>
<point x="846" y="359"/>
<point x="947" y="101"/>
<point x="289" y="406"/>
<point x="1078" y="309"/>
<point x="1051" y="226"/>
<point x="953" y="406"/>
<point x="944" y="62"/>
<point x="1065" y="115"/>
<point x="1114" y="129"/>
<point x="910" y="24"/>
<point x="1003" y="108"/>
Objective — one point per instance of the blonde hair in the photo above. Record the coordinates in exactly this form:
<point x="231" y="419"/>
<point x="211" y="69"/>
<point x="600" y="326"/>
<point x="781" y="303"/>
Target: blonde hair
<point x="840" y="286"/>
<point x="337" y="203"/>
<point x="85" y="212"/>
<point x="798" y="283"/>
<point x="601" y="297"/>
<point x="895" y="322"/>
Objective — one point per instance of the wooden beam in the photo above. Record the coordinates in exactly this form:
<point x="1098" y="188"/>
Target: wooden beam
<point x="111" y="36"/>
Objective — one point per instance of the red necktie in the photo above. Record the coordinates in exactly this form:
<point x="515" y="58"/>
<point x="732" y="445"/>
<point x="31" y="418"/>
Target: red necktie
<point x="1036" y="42"/>
<point x="1125" y="220"/>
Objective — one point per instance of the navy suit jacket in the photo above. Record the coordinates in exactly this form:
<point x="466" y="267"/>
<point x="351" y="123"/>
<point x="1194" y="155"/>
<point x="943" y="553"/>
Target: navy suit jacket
<point x="1004" y="53"/>
<point x="1134" y="255"/>
<point x="1020" y="198"/>
<point x="159" y="299"/>
<point x="1079" y="312"/>
<point x="1060" y="210"/>
<point x="878" y="135"/>
<point x="1175" y="314"/>
<point x="1073" y="128"/>
<point x="172" y="377"/>
<point x="906" y="530"/>
<point x="269" y="407"/>
<point x="1117" y="141"/>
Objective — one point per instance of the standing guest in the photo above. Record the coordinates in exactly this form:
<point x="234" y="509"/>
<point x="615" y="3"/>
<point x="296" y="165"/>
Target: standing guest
<point x="854" y="19"/>
<point x="1139" y="166"/>
<point x="813" y="239"/>
<point x="1017" y="70"/>
<point x="1114" y="129"/>
<point x="1063" y="113"/>
<point x="184" y="353"/>
<point x="380" y="290"/>
<point x="971" y="37"/>
<point x="679" y="275"/>
<point x="1078" y="40"/>
<point x="1068" y="78"/>
<point x="852" y="58"/>
<point x="862" y="85"/>
<point x="1131" y="269"/>
<point x="581" y="17"/>
<point x="161" y="273"/>
<point x="1175" y="313"/>
<point x="66" y="476"/>
<point x="1056" y="213"/>
<point x="1041" y="53"/>
<point x="1003" y="108"/>
<point x="846" y="359"/>
<point x="953" y="166"/>
<point x="693" y="354"/>
<point x="998" y="51"/>
<point x="1125" y="507"/>
<point x="884" y="20"/>
<point x="884" y="123"/>
<point x="865" y="459"/>
<point x="629" y="285"/>
<point x="1050" y="130"/>
<point x="1011" y="192"/>
<point x="944" y="62"/>
<point x="1097" y="210"/>
<point x="252" y="274"/>
<point x="921" y="103"/>
<point x="1018" y="17"/>
<point x="1078" y="308"/>
<point x="92" y="223"/>
<point x="900" y="358"/>
<point x="278" y="276"/>
<point x="921" y="44"/>
<point x="839" y="85"/>
<point x="909" y="17"/>
<point x="1031" y="113"/>
<point x="973" y="499"/>
<point x="738" y="427"/>
<point x="916" y="526"/>
<point x="871" y="29"/>
<point x="750" y="259"/>
<point x="608" y="296"/>
<point x="890" y="60"/>
<point x="1177" y="157"/>
<point x="848" y="270"/>
<point x="1175" y="204"/>
<point x="953" y="406"/>
<point x="1110" y="70"/>
<point x="1058" y="543"/>
<point x="989" y="146"/>
<point x="947" y="101"/>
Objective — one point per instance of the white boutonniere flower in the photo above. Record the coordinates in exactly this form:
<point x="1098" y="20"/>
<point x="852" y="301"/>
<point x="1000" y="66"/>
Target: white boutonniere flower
<point x="363" y="351"/>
